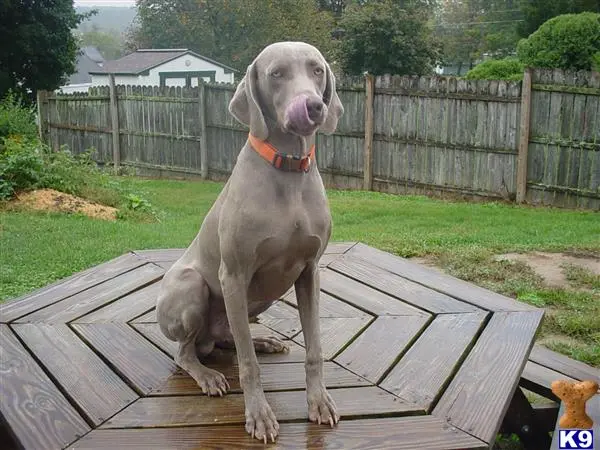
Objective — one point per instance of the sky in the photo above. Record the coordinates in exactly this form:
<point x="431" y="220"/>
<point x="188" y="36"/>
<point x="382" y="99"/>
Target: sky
<point x="104" y="2"/>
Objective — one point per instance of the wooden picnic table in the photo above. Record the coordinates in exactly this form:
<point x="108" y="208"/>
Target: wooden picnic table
<point x="415" y="359"/>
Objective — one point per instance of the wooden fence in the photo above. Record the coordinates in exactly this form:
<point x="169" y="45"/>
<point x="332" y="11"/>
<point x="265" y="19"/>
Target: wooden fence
<point x="536" y="141"/>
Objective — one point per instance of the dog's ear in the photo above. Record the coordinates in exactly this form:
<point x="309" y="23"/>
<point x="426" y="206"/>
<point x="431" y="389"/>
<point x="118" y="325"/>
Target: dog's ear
<point x="335" y="109"/>
<point x="244" y="105"/>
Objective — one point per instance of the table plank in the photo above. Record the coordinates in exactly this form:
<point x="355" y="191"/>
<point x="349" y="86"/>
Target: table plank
<point x="329" y="306"/>
<point x="563" y="364"/>
<point x="32" y="406"/>
<point x="126" y="308"/>
<point x="288" y="327"/>
<point x="363" y="296"/>
<point x="190" y="410"/>
<point x="435" y="280"/>
<point x="437" y="353"/>
<point x="16" y="308"/>
<point x="401" y="288"/>
<point x="479" y="394"/>
<point x="538" y="379"/>
<point x="372" y="353"/>
<point x="401" y="433"/>
<point x="136" y="359"/>
<point x="93" y="298"/>
<point x="274" y="377"/>
<point x="86" y="379"/>
<point x="161" y="254"/>
<point x="149" y="317"/>
<point x="338" y="247"/>
<point x="336" y="333"/>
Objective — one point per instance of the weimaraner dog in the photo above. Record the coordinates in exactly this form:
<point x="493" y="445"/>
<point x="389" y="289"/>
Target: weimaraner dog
<point x="264" y="234"/>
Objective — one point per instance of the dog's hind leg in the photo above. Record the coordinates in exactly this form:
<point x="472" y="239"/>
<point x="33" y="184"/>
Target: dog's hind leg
<point x="182" y="311"/>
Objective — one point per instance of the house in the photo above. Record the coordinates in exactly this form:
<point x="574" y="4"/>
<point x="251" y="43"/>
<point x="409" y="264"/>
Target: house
<point x="89" y="60"/>
<point x="163" y="67"/>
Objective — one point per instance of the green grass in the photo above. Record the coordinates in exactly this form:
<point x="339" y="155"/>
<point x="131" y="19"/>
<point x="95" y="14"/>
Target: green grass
<point x="462" y="238"/>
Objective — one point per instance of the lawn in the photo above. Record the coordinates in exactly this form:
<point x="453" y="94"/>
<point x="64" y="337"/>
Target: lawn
<point x="462" y="238"/>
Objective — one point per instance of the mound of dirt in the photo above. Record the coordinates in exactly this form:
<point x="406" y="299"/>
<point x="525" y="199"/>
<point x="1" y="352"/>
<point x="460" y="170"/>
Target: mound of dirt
<point x="52" y="200"/>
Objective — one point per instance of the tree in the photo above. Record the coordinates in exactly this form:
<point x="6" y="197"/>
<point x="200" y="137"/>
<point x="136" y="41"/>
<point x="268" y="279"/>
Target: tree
<point x="568" y="41"/>
<point x="383" y="37"/>
<point x="37" y="48"/>
<point x="109" y="43"/>
<point x="230" y="31"/>
<point x="536" y="12"/>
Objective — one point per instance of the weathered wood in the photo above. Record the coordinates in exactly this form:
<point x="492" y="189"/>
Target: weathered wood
<point x="437" y="352"/>
<point x="485" y="383"/>
<point x="32" y="407"/>
<point x="131" y="355"/>
<point x="66" y="287"/>
<point x="524" y="136"/>
<point x="202" y="119"/>
<point x="42" y="113"/>
<point x="376" y="349"/>
<point x="274" y="377"/>
<point x="446" y="284"/>
<point x="290" y="405"/>
<point x="84" y="302"/>
<point x="368" y="152"/>
<point x="401" y="288"/>
<point x="563" y="364"/>
<point x="115" y="127"/>
<point x="402" y="433"/>
<point x="86" y="379"/>
<point x="538" y="379"/>
<point x="329" y="306"/>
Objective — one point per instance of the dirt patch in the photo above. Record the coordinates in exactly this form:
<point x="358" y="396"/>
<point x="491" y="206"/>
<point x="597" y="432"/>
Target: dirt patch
<point x="52" y="200"/>
<point x="551" y="266"/>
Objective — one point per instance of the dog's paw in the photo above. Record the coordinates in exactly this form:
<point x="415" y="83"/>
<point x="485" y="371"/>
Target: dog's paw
<point x="321" y="407"/>
<point x="270" y="344"/>
<point x="260" y="420"/>
<point x="211" y="382"/>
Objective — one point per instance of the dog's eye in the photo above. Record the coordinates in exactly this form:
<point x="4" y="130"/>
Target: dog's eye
<point x="318" y="71"/>
<point x="276" y="74"/>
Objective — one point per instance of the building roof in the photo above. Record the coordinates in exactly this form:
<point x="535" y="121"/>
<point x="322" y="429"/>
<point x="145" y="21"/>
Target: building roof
<point x="143" y="60"/>
<point x="87" y="62"/>
<point x="94" y="54"/>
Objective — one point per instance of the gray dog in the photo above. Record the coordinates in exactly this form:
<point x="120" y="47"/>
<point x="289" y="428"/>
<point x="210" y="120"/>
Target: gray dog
<point x="265" y="233"/>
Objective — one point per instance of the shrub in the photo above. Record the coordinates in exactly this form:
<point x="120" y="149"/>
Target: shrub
<point x="497" y="69"/>
<point x="569" y="41"/>
<point x="15" y="118"/>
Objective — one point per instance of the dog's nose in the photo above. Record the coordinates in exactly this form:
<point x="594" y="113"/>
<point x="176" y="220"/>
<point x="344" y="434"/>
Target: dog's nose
<point x="314" y="106"/>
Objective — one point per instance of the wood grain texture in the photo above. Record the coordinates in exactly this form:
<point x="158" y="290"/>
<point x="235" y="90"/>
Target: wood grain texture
<point x="289" y="405"/>
<point x="95" y="297"/>
<point x="288" y="327"/>
<point x="433" y="279"/>
<point x="163" y="254"/>
<point x="538" y="379"/>
<point x="126" y="308"/>
<point x="364" y="297"/>
<point x="338" y="247"/>
<point x="61" y="289"/>
<point x="481" y="390"/>
<point x="378" y="347"/>
<point x="336" y="333"/>
<point x="130" y="354"/>
<point x="33" y="408"/>
<point x="149" y="317"/>
<point x="402" y="433"/>
<point x="329" y="306"/>
<point x="437" y="353"/>
<point x="274" y="377"/>
<point x="401" y="288"/>
<point x="563" y="364"/>
<point x="86" y="379"/>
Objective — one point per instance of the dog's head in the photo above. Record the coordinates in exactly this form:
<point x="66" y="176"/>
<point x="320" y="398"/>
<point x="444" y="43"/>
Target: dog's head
<point x="289" y="85"/>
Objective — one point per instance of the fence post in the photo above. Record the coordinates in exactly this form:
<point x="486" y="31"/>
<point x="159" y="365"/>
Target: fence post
<point x="524" y="136"/>
<point x="368" y="153"/>
<point x="42" y="112"/>
<point x="114" y="117"/>
<point x="202" y="117"/>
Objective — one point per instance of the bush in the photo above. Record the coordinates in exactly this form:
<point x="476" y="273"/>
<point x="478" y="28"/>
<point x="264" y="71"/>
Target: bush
<point x="16" y="119"/>
<point x="497" y="69"/>
<point x="569" y="41"/>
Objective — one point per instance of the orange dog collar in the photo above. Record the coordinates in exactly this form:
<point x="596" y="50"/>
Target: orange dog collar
<point x="283" y="161"/>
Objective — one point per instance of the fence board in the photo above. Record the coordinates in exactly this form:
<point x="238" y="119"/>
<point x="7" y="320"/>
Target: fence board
<point x="430" y="134"/>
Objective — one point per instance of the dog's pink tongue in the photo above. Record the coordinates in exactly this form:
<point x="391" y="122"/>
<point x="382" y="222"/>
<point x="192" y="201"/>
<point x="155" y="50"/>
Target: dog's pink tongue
<point x="297" y="114"/>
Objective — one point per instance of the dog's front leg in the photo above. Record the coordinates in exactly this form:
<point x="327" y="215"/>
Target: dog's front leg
<point x="321" y="407"/>
<point x="260" y="420"/>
